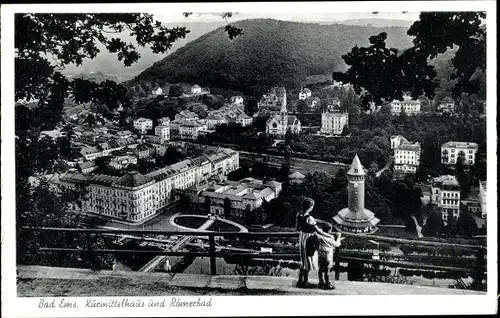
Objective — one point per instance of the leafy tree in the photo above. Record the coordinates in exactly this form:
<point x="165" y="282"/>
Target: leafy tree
<point x="207" y="205"/>
<point x="436" y="32"/>
<point x="175" y="91"/>
<point x="466" y="223"/>
<point x="302" y="106"/>
<point x="250" y="106"/>
<point x="379" y="73"/>
<point x="227" y="207"/>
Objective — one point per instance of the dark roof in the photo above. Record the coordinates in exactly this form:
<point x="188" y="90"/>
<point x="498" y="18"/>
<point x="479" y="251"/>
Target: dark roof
<point x="132" y="179"/>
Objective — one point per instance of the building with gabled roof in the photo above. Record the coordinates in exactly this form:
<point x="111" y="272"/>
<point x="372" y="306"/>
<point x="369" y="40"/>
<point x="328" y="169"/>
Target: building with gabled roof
<point x="244" y="195"/>
<point x="274" y="99"/>
<point x="356" y="218"/>
<point x="280" y="123"/>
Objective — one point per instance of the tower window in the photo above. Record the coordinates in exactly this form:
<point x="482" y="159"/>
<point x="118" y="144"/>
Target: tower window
<point x="355" y="170"/>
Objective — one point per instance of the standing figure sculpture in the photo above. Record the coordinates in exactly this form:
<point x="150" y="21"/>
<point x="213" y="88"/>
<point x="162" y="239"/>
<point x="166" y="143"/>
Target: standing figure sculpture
<point x="308" y="242"/>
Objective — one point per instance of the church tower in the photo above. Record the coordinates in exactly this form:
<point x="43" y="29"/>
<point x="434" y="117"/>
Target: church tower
<point x="283" y="117"/>
<point x="355" y="218"/>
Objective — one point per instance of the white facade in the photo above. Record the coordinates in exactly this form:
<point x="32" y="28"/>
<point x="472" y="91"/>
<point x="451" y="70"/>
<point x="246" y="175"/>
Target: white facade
<point x="163" y="131"/>
<point x="191" y="130"/>
<point x="164" y="121"/>
<point x="407" y="158"/>
<point x="410" y="106"/>
<point x="195" y="89"/>
<point x="122" y="162"/>
<point x="397" y="140"/>
<point x="406" y="154"/>
<point x="135" y="197"/>
<point x="214" y="120"/>
<point x="333" y="123"/>
<point x="305" y="93"/>
<point x="244" y="120"/>
<point x="451" y="150"/>
<point x="445" y="193"/>
<point x="237" y="100"/>
<point x="157" y="91"/>
<point x="143" y="125"/>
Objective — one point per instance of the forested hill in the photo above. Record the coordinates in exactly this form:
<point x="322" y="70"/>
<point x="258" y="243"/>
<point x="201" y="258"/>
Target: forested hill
<point x="270" y="52"/>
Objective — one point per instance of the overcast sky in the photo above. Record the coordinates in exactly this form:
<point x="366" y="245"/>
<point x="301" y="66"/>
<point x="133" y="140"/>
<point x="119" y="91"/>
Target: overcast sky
<point x="291" y="16"/>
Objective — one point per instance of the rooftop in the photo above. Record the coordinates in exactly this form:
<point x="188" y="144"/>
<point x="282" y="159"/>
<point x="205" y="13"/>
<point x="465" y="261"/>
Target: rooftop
<point x="460" y="144"/>
<point x="356" y="168"/>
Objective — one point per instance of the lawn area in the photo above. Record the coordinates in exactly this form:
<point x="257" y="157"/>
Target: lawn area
<point x="190" y="221"/>
<point x="223" y="227"/>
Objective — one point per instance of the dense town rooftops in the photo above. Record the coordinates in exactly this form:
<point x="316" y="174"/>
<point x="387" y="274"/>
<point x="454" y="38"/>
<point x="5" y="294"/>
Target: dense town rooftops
<point x="460" y="144"/>
<point x="86" y="165"/>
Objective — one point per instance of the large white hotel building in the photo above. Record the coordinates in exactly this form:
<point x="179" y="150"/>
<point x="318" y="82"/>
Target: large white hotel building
<point x="135" y="198"/>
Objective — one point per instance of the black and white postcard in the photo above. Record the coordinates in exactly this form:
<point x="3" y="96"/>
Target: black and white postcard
<point x="165" y="159"/>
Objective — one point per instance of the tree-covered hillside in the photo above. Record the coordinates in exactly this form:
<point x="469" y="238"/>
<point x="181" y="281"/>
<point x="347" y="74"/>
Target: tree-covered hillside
<point x="270" y="52"/>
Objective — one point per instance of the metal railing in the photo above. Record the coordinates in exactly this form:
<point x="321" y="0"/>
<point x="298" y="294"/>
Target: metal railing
<point x="477" y="272"/>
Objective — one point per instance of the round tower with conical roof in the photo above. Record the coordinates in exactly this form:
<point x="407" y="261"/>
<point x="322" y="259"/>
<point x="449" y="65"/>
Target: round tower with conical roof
<point x="355" y="218"/>
<point x="356" y="186"/>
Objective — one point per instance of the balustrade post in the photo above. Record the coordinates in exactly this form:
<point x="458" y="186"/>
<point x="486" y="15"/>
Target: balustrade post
<point x="90" y="252"/>
<point x="479" y="270"/>
<point x="211" y="240"/>
<point x="337" y="263"/>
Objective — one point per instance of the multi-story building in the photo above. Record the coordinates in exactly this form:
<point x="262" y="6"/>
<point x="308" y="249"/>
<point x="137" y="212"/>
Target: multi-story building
<point x="237" y="100"/>
<point x="186" y="116"/>
<point x="135" y="197"/>
<point x="280" y="123"/>
<point x="87" y="167"/>
<point x="163" y="131"/>
<point x="244" y="195"/>
<point x="191" y="130"/>
<point x="142" y="125"/>
<point x="164" y="121"/>
<point x="244" y="120"/>
<point x="482" y="198"/>
<point x="121" y="162"/>
<point x="195" y="89"/>
<point x="406" y="154"/>
<point x="274" y="99"/>
<point x="445" y="193"/>
<point x="410" y="106"/>
<point x="90" y="153"/>
<point x="451" y="150"/>
<point x="157" y="91"/>
<point x="213" y="120"/>
<point x="305" y="93"/>
<point x="447" y="105"/>
<point x="123" y="134"/>
<point x="333" y="122"/>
